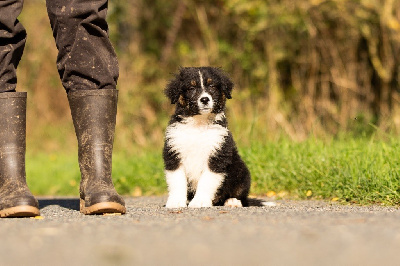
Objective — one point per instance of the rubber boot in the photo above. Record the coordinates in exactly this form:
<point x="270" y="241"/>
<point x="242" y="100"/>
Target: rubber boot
<point x="15" y="198"/>
<point x="94" y="113"/>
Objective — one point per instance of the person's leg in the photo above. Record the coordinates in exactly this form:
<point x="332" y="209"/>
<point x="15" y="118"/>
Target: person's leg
<point x="86" y="59"/>
<point x="15" y="198"/>
<point x="12" y="43"/>
<point x="88" y="69"/>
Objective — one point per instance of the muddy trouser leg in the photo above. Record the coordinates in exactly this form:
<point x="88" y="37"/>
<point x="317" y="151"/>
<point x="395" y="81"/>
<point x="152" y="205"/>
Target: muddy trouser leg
<point x="88" y="69"/>
<point x="15" y="198"/>
<point x="86" y="59"/>
<point x="12" y="43"/>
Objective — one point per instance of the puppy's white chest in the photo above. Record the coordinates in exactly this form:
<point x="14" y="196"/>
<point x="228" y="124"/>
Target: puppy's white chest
<point x="195" y="143"/>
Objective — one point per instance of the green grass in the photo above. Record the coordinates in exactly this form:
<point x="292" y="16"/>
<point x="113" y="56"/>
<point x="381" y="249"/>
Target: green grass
<point x="58" y="173"/>
<point x="362" y="171"/>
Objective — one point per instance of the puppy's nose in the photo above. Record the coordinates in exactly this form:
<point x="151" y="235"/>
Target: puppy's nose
<point x="204" y="100"/>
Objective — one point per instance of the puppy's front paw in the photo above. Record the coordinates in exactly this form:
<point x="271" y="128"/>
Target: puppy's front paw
<point x="200" y="203"/>
<point x="175" y="203"/>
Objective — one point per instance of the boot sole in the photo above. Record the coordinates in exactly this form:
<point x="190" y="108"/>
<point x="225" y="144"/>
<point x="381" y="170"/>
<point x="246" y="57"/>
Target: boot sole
<point x="102" y="207"/>
<point x="20" y="211"/>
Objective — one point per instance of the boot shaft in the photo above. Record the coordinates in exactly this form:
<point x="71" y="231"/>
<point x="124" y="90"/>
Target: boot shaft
<point x="12" y="137"/>
<point x="94" y="117"/>
<point x="12" y="119"/>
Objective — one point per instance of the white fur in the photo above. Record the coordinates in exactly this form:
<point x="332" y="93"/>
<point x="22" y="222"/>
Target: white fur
<point x="195" y="139"/>
<point x="233" y="202"/>
<point x="219" y="117"/>
<point x="201" y="81"/>
<point x="204" y="109"/>
<point x="207" y="186"/>
<point x="177" y="186"/>
<point x="269" y="204"/>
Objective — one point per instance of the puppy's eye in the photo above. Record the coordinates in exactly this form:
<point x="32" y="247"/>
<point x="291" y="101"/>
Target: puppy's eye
<point x="191" y="91"/>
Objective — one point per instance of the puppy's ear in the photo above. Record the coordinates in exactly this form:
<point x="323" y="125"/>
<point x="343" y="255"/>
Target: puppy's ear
<point x="227" y="86"/>
<point x="225" y="82"/>
<point x="174" y="89"/>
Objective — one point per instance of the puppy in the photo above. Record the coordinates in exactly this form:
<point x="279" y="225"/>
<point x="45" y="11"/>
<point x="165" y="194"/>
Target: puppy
<point x="202" y="164"/>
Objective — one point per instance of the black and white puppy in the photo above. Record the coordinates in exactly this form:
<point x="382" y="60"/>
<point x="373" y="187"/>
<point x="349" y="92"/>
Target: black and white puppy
<point x="202" y="164"/>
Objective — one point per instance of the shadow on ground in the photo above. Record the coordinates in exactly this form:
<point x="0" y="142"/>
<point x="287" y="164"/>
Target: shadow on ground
<point x="73" y="203"/>
<point x="69" y="203"/>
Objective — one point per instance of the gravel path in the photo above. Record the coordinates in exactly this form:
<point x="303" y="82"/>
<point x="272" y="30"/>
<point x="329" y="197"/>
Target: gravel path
<point x="291" y="233"/>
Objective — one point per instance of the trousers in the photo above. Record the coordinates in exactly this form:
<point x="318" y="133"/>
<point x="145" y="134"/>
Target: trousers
<point x="86" y="58"/>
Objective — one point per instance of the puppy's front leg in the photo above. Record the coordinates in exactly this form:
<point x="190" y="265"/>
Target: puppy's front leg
<point x="207" y="187"/>
<point x="177" y="187"/>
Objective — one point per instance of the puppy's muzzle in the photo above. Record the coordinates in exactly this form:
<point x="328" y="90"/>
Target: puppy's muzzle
<point x="205" y="103"/>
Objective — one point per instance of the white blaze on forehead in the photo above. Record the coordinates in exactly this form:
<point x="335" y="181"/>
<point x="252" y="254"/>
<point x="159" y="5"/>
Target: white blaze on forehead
<point x="201" y="80"/>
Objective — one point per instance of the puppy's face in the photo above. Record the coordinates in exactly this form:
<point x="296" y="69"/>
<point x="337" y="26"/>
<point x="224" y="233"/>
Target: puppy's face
<point x="201" y="95"/>
<point x="199" y="90"/>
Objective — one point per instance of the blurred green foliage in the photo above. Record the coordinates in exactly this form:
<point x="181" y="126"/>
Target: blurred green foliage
<point x="301" y="68"/>
<point x="305" y="68"/>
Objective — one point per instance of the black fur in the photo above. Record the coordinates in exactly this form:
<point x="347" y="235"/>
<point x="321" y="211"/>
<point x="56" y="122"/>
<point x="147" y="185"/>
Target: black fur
<point x="182" y="90"/>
